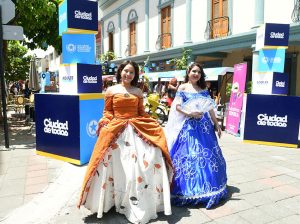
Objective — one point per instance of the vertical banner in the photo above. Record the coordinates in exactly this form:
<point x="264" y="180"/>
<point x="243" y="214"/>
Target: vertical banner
<point x="236" y="98"/>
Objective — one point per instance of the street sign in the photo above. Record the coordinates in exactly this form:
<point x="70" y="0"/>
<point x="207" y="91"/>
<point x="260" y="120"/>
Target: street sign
<point x="8" y="10"/>
<point x="12" y="32"/>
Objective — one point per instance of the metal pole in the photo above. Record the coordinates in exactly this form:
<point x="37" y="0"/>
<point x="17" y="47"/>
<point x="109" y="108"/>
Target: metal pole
<point x="3" y="84"/>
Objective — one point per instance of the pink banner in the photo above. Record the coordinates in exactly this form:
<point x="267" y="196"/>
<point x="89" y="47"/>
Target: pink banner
<point x="236" y="98"/>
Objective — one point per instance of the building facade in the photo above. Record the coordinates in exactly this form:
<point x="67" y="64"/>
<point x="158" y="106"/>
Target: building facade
<point x="218" y="32"/>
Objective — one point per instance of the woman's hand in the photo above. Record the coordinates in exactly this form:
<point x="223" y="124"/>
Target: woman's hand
<point x="196" y="115"/>
<point x="219" y="130"/>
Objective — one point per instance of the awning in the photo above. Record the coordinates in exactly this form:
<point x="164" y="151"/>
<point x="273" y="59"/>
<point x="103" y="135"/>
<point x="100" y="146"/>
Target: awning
<point x="165" y="76"/>
<point x="211" y="74"/>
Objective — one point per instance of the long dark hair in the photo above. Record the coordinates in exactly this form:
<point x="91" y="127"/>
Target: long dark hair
<point x="135" y="80"/>
<point x="201" y="82"/>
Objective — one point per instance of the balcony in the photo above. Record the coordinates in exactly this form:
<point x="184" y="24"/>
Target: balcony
<point x="163" y="41"/>
<point x="217" y="27"/>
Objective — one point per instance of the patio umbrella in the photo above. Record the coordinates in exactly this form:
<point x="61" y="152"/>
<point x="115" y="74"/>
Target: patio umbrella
<point x="33" y="76"/>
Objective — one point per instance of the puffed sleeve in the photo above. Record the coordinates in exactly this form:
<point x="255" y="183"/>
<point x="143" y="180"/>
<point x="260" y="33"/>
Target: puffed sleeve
<point x="108" y="113"/>
<point x="141" y="108"/>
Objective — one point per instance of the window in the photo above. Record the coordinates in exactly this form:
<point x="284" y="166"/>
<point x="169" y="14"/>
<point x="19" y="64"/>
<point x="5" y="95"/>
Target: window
<point x="111" y="30"/>
<point x="165" y="37"/>
<point x="132" y="38"/>
<point x="220" y="20"/>
<point x="111" y="42"/>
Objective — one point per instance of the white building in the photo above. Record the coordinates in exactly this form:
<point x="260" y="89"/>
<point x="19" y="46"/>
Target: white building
<point x="219" y="32"/>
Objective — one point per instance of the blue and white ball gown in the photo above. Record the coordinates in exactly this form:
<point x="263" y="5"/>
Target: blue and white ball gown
<point x="200" y="168"/>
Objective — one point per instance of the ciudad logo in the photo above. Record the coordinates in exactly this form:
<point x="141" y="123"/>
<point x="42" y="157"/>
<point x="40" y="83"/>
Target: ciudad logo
<point x="272" y="121"/>
<point x="56" y="127"/>
<point x="89" y="79"/>
<point x="83" y="15"/>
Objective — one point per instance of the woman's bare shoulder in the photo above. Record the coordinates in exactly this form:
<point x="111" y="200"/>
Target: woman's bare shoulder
<point x="137" y="91"/>
<point x="112" y="90"/>
<point x="182" y="87"/>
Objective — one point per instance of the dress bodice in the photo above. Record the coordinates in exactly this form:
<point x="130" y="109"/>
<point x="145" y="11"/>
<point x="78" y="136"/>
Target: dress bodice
<point x="125" y="106"/>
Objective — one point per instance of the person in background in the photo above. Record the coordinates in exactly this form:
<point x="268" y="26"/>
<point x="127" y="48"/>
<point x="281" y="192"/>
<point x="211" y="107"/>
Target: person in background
<point x="200" y="168"/>
<point x="209" y="89"/>
<point x="172" y="89"/>
<point x="26" y="94"/>
<point x="158" y="87"/>
<point x="130" y="168"/>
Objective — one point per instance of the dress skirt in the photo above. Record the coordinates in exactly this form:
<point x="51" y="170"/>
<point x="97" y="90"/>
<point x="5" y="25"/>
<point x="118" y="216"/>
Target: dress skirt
<point x="132" y="177"/>
<point x="200" y="168"/>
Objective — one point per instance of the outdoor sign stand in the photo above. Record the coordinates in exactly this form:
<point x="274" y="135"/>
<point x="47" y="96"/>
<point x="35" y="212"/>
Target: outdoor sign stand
<point x="66" y="123"/>
<point x="272" y="117"/>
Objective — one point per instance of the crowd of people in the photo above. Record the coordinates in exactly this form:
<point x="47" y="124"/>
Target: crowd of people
<point x="141" y="169"/>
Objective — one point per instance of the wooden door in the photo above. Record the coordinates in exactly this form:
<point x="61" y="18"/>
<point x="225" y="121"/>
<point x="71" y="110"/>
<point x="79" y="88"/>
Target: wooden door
<point x="111" y="42"/>
<point x="219" y="21"/>
<point x="166" y="27"/>
<point x="132" y="38"/>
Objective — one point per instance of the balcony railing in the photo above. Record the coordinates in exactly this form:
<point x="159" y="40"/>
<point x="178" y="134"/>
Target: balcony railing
<point x="296" y="12"/>
<point x="217" y="27"/>
<point x="164" y="41"/>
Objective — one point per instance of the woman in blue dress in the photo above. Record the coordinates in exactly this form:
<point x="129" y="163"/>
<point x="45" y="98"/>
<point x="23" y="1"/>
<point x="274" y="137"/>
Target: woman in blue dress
<point x="200" y="168"/>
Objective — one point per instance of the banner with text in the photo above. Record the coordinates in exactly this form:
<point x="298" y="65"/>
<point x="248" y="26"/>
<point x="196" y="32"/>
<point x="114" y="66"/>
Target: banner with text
<point x="236" y="98"/>
<point x="272" y="119"/>
<point x="78" y="48"/>
<point x="78" y="16"/>
<point x="271" y="60"/>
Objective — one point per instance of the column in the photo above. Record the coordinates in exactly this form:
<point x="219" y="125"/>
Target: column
<point x="188" y="16"/>
<point x="146" y="26"/>
<point x="120" y="34"/>
<point x="102" y="37"/>
<point x="259" y="13"/>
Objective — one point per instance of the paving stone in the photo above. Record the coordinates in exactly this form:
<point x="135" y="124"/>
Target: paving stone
<point x="276" y="211"/>
<point x="9" y="203"/>
<point x="16" y="173"/>
<point x="231" y="219"/>
<point x="288" y="220"/>
<point x="256" y="216"/>
<point x="12" y="187"/>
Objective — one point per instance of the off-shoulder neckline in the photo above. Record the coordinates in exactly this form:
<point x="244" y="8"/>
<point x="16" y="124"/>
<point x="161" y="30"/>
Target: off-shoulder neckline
<point x="112" y="95"/>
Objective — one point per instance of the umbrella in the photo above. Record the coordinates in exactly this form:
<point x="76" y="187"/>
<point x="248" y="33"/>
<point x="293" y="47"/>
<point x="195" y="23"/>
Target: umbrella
<point x="33" y="76"/>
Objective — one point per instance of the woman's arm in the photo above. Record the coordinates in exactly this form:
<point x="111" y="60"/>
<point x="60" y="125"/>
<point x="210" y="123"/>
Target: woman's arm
<point x="215" y="121"/>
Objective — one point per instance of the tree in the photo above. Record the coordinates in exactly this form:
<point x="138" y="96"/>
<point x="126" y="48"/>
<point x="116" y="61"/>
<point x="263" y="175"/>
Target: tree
<point x="17" y="66"/>
<point x="39" y="19"/>
<point x="181" y="63"/>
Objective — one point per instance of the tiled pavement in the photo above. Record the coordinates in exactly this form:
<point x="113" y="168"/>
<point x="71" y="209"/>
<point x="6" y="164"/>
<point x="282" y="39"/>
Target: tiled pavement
<point x="263" y="184"/>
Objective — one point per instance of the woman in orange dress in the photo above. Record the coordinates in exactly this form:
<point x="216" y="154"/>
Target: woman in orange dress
<point x="130" y="167"/>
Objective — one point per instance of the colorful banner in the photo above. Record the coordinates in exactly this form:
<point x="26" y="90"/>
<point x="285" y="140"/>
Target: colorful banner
<point x="270" y="83"/>
<point x="236" y="98"/>
<point x="272" y="35"/>
<point x="66" y="125"/>
<point x="271" y="60"/>
<point x="80" y="78"/>
<point x="78" y="16"/>
<point x="262" y="83"/>
<point x="78" y="48"/>
<point x="280" y="83"/>
<point x="272" y="120"/>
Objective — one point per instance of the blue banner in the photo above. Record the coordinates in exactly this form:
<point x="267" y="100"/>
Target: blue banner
<point x="81" y="15"/>
<point x="63" y="20"/>
<point x="271" y="60"/>
<point x="89" y="78"/>
<point x="280" y="83"/>
<point x="277" y="34"/>
<point x="90" y="112"/>
<point x="57" y="125"/>
<point x="78" y="48"/>
<point x="272" y="119"/>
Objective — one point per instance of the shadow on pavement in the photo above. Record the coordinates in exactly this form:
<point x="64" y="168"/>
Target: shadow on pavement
<point x="112" y="217"/>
